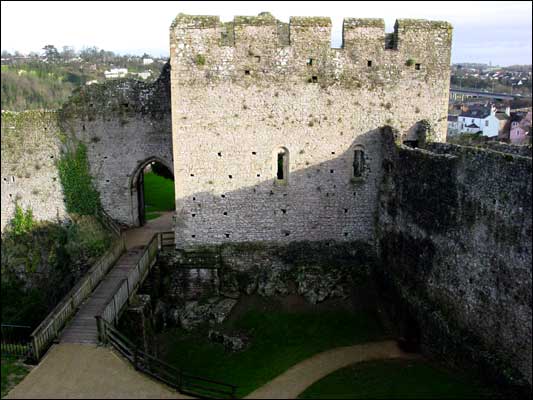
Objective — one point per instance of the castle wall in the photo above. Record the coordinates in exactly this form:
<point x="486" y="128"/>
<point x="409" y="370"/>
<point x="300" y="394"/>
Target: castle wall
<point x="125" y="124"/>
<point x="30" y="145"/>
<point x="241" y="90"/>
<point x="457" y="251"/>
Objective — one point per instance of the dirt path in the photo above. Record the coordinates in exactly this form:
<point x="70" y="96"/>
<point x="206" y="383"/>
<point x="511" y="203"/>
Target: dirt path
<point x="87" y="371"/>
<point x="142" y="235"/>
<point x="299" y="377"/>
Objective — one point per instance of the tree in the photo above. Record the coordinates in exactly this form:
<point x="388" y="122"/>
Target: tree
<point x="89" y="54"/>
<point x="68" y="53"/>
<point x="51" y="53"/>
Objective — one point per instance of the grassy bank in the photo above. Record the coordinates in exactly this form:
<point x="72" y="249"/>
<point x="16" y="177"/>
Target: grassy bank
<point x="13" y="371"/>
<point x="279" y="339"/>
<point x="396" y="379"/>
<point x="158" y="195"/>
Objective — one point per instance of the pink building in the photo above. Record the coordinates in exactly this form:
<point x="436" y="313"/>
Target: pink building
<point x="520" y="128"/>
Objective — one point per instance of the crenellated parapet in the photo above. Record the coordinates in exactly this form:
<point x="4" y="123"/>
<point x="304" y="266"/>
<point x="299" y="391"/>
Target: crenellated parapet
<point x="262" y="46"/>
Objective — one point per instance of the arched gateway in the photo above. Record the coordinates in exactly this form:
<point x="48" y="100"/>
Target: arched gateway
<point x="137" y="189"/>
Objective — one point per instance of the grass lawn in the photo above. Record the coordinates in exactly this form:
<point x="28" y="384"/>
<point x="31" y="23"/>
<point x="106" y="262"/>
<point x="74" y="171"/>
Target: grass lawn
<point x="158" y="195"/>
<point x="395" y="379"/>
<point x="12" y="373"/>
<point x="280" y="339"/>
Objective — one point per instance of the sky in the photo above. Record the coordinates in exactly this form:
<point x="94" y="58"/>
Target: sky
<point x="497" y="32"/>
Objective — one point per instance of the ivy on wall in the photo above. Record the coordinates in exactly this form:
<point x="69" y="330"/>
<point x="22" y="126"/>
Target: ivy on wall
<point x="22" y="221"/>
<point x="80" y="195"/>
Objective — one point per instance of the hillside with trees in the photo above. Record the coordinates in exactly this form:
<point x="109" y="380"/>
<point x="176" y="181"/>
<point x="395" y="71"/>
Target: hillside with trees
<point x="45" y="81"/>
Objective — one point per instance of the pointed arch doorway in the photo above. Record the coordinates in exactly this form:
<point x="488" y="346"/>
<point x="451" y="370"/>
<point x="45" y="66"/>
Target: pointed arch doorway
<point x="152" y="190"/>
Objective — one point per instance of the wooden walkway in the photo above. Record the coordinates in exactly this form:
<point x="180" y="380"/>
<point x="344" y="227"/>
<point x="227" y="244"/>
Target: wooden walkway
<point x="82" y="328"/>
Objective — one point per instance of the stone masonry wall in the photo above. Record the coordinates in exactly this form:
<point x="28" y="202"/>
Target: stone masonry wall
<point x="455" y="241"/>
<point x="30" y="146"/>
<point x="243" y="89"/>
<point x="125" y="125"/>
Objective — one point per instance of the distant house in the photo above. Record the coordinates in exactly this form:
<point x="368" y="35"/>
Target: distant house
<point x="147" y="61"/>
<point x="145" y="74"/>
<point x="453" y="125"/>
<point x="520" y="131"/>
<point x="478" y="118"/>
<point x="471" y="128"/>
<point x="116" y="73"/>
<point x="503" y="118"/>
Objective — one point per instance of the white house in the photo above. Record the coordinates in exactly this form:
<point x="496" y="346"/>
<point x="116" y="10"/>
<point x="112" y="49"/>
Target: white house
<point x="116" y="73"/>
<point x="453" y="125"/>
<point x="147" y="61"/>
<point x="479" y="119"/>
<point x="144" y="75"/>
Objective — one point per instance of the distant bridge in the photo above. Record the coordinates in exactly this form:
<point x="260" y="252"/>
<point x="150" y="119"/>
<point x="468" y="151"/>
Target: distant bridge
<point x="461" y="94"/>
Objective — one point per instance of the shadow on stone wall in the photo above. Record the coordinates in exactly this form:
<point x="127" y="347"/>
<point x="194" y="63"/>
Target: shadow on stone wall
<point x="454" y="239"/>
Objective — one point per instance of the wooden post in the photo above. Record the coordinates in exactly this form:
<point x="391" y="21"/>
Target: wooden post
<point x="36" y="350"/>
<point x="180" y="381"/>
<point x="115" y="308"/>
<point x="128" y="287"/>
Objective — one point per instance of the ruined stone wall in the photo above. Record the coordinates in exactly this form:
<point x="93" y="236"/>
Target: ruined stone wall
<point x="243" y="89"/>
<point x="30" y="146"/>
<point x="189" y="286"/>
<point x="125" y="124"/>
<point x="455" y="242"/>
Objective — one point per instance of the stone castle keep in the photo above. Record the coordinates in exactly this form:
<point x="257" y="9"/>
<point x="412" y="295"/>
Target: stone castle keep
<point x="291" y="158"/>
<point x="246" y="90"/>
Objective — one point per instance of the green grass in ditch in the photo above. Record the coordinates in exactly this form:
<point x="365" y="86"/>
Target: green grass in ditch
<point x="396" y="379"/>
<point x="279" y="340"/>
<point x="158" y="195"/>
<point x="13" y="371"/>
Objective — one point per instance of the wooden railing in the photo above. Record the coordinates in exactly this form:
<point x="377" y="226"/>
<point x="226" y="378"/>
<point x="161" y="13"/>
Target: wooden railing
<point x="128" y="286"/>
<point x="108" y="334"/>
<point x="167" y="239"/>
<point x="48" y="330"/>
<point x="172" y="376"/>
<point x="15" y="341"/>
<point x="108" y="222"/>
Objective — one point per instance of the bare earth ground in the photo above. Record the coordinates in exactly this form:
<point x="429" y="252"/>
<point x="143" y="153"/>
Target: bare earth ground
<point x="142" y="235"/>
<point x="72" y="370"/>
<point x="86" y="371"/>
<point x="302" y="375"/>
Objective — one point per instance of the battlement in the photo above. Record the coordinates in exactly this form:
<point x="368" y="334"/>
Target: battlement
<point x="368" y="29"/>
<point x="204" y="46"/>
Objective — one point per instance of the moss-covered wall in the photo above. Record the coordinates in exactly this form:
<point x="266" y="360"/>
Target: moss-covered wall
<point x="119" y="125"/>
<point x="124" y="124"/>
<point x="455" y="241"/>
<point x="31" y="144"/>
<point x="316" y="270"/>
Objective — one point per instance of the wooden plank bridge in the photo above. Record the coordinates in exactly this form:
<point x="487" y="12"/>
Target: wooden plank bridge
<point x="82" y="328"/>
<point x="104" y="291"/>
